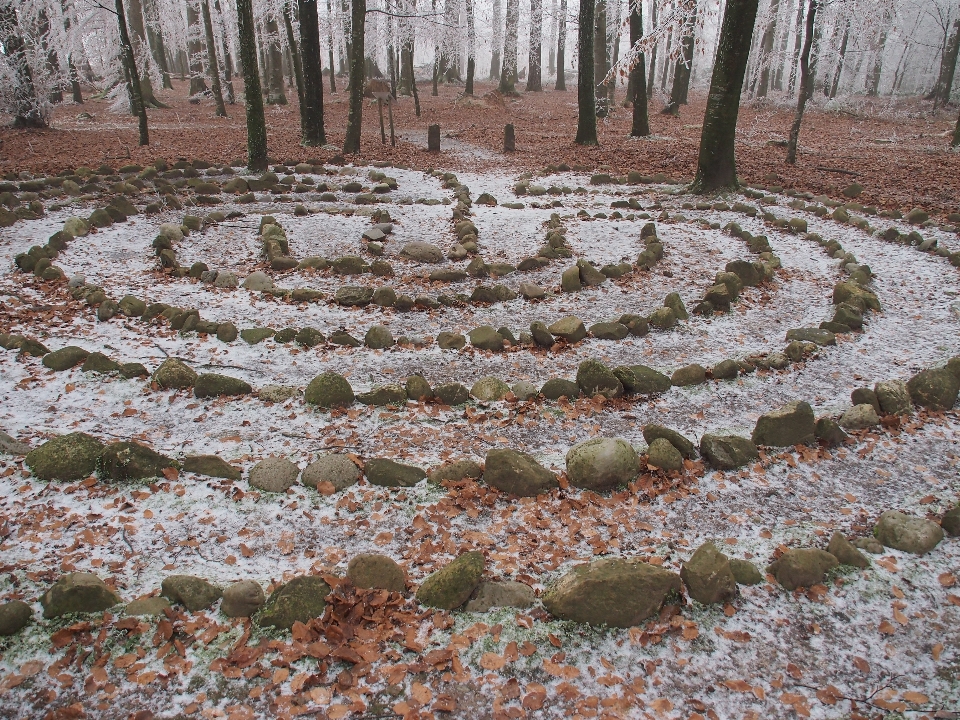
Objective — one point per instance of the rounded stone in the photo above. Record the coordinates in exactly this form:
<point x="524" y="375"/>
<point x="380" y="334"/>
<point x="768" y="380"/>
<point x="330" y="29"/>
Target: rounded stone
<point x="242" y="599"/>
<point x="378" y="337"/>
<point x="373" y="571"/>
<point x="602" y="464"/>
<point x="68" y="457"/>
<point x="489" y="388"/>
<point x="338" y="470"/>
<point x="664" y="455"/>
<point x="329" y="390"/>
<point x="174" y="374"/>
<point x="274" y="475"/>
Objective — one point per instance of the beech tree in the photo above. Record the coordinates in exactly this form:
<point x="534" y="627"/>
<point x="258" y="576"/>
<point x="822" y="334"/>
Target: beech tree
<point x="351" y="143"/>
<point x="561" y="46"/>
<point x="133" y="77"/>
<point x="508" y="74"/>
<point x="586" y="93"/>
<point x="311" y="106"/>
<point x="253" y="95"/>
<point x="534" y="83"/>
<point x="806" y="82"/>
<point x="213" y="67"/>
<point x="28" y="111"/>
<point x="638" y="75"/>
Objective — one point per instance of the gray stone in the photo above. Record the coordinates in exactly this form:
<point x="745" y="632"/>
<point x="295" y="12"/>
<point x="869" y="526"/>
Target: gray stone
<point x="907" y="533"/>
<point x="242" y="599"/>
<point x="274" y="475"/>
<point x="14" y="616"/>
<point x="147" y="607"/>
<point x="674" y="302"/>
<point x="595" y="378"/>
<point x="277" y="393"/>
<point x="517" y="473"/>
<point x="792" y="424"/>
<point x="609" y="331"/>
<point x="300" y="600"/>
<point x="417" y="388"/>
<point x="893" y="397"/>
<point x="725" y="370"/>
<point x="422" y="252"/>
<point x="845" y="552"/>
<point x="384" y="395"/>
<point x="934" y="389"/>
<point x="745" y="572"/>
<point x="727" y="452"/>
<point x="569" y="328"/>
<point x="708" y="576"/>
<point x="378" y="337"/>
<point x="570" y="280"/>
<point x="489" y="388"/>
<point x="353" y="296"/>
<point x="685" y="447"/>
<point x="11" y="446"/>
<point x="67" y="457"/>
<point x="803" y="567"/>
<point x="78" y="592"/>
<point x="664" y="455"/>
<point x="452" y="585"/>
<point x="373" y="571"/>
<point x="258" y="281"/>
<point x="860" y="417"/>
<point x="589" y="275"/>
<point x="226" y="280"/>
<point x="450" y="341"/>
<point x="531" y="291"/>
<point x="388" y="473"/>
<point x="192" y="592"/>
<point x="524" y="390"/>
<point x="602" y="464"/>
<point x="504" y="593"/>
<point x="338" y="470"/>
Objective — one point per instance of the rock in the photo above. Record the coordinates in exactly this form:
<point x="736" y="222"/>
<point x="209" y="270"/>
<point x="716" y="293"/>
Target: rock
<point x="78" y="227"/>
<point x="450" y="341"/>
<point x="541" y="335"/>
<point x="853" y="293"/>
<point x="129" y="460"/>
<point x="226" y="332"/>
<point x="385" y="395"/>
<point x="67" y="457"/>
<point x="589" y="275"/>
<point x="338" y="470"/>
<point x="747" y="272"/>
<point x="531" y="291"/>
<point x="860" y="417"/>
<point x="14" y="616"/>
<point x="861" y="396"/>
<point x="684" y="446"/>
<point x="300" y="600"/>
<point x="174" y="374"/>
<point x="378" y="337"/>
<point x="78" y="592"/>
<point x="226" y="280"/>
<point x="489" y="388"/>
<point x="372" y="571"/>
<point x="814" y="335"/>
<point x="32" y="348"/>
<point x="870" y="544"/>
<point x="950" y="522"/>
<point x="829" y="433"/>
<point x="689" y="375"/>
<point x="108" y="308"/>
<point x="674" y="302"/>
<point x="388" y="473"/>
<point x="342" y="337"/>
<point x="422" y="252"/>
<point x="893" y="396"/>
<point x="455" y="472"/>
<point x="211" y="466"/>
<point x="803" y="567"/>
<point x="11" y="446"/>
<point x="242" y="599"/>
<point x="309" y="337"/>
<point x="612" y="591"/>
<point x="451" y="586"/>
<point x="570" y="328"/>
<point x="934" y="389"/>
<point x="727" y="452"/>
<point x="65" y="358"/>
<point x="708" y="576"/>
<point x="845" y="553"/>
<point x="649" y="381"/>
<point x="745" y="572"/>
<point x="452" y="394"/>
<point x="349" y="265"/>
<point x="725" y="370"/>
<point x="329" y="390"/>
<point x="417" y="388"/>
<point x="258" y="281"/>
<point x="505" y="593"/>
<point x="907" y="533"/>
<point x="277" y="393"/>
<point x="570" y="280"/>
<point x="664" y="455"/>
<point x="353" y="296"/>
<point x="274" y="475"/>
<point x="602" y="464"/>
<point x="517" y="473"/>
<point x="147" y="607"/>
<point x="133" y="370"/>
<point x="448" y="275"/>
<point x="132" y="306"/>
<point x="663" y="318"/>
<point x="524" y="390"/>
<point x="214" y="385"/>
<point x="792" y="424"/>
<point x="486" y="338"/>
<point x="193" y="593"/>
<point x="609" y="331"/>
<point x="555" y="388"/>
<point x="917" y="216"/>
<point x="595" y="378"/>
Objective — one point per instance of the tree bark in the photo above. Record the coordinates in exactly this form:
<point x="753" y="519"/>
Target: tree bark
<point x="653" y="54"/>
<point x="311" y="107"/>
<point x="155" y="38"/>
<point x="835" y="85"/>
<point x="766" y="49"/>
<point x="135" y="20"/>
<point x="295" y="53"/>
<point x="806" y="82"/>
<point x="229" y="95"/>
<point x="126" y="51"/>
<point x="508" y="73"/>
<point x="27" y="108"/>
<point x="615" y="53"/>
<point x="553" y="37"/>
<point x="53" y="62"/>
<point x="195" y="49"/>
<point x="638" y="75"/>
<point x="586" y="90"/>
<point x="562" y="47"/>
<point x="351" y="143"/>
<point x="716" y="166"/>
<point x="333" y="81"/>
<point x="496" y="40"/>
<point x="213" y="65"/>
<point x="471" y="48"/>
<point x="600" y="49"/>
<point x="665" y="67"/>
<point x="956" y="134"/>
<point x="413" y="77"/>
<point x="948" y="67"/>
<point x="276" y="95"/>
<point x="535" y="56"/>
<point x="683" y="69"/>
<point x="873" y="79"/>
<point x="256" y="124"/>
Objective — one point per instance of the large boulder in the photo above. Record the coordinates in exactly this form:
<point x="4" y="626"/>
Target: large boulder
<point x="65" y="358"/>
<point x="338" y="470"/>
<point x="934" y="389"/>
<point x="792" y="424"/>
<point x="727" y="452"/>
<point x="893" y="397"/>
<point x="329" y="390"/>
<point x="602" y="464"/>
<point x="68" y="457"/>
<point x="904" y="532"/>
<point x="216" y="385"/>
<point x="452" y="585"/>
<point x="78" y="592"/>
<point x="274" y="475"/>
<point x="389" y="473"/>
<point x="570" y="328"/>
<point x="374" y="571"/>
<point x="517" y="473"/>
<point x="300" y="600"/>
<point x="242" y="599"/>
<point x="174" y="374"/>
<point x="708" y="575"/>
<point x="128" y="460"/>
<point x="192" y="592"/>
<point x="595" y="378"/>
<point x="803" y="567"/>
<point x="613" y="591"/>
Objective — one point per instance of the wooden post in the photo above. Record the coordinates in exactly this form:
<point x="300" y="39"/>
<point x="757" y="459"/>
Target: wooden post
<point x="383" y="134"/>
<point x="509" y="138"/>
<point x="393" y="138"/>
<point x="433" y="138"/>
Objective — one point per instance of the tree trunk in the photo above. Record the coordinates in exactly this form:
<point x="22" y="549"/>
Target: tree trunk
<point x="638" y="75"/>
<point x="135" y="19"/>
<point x="535" y="55"/>
<point x="155" y="38"/>
<point x="873" y="79"/>
<point x="716" y="166"/>
<point x="552" y="45"/>
<point x="195" y="49"/>
<point x="615" y="53"/>
<point x="126" y="51"/>
<point x="653" y="54"/>
<point x="797" y="47"/>
<point x="956" y="134"/>
<point x="948" y="67"/>
<point x="782" y="53"/>
<point x="256" y="124"/>
<point x="55" y="95"/>
<point x="766" y="49"/>
<point x="600" y="64"/>
<point x="413" y="77"/>
<point x="213" y="65"/>
<point x="229" y="95"/>
<point x="683" y="69"/>
<point x="295" y="52"/>
<point x="665" y="68"/>
<point x="806" y="83"/>
<point x="834" y="86"/>
<point x="351" y="143"/>
<point x="311" y="107"/>
<point x="276" y="94"/>
<point x="497" y="40"/>
<point x="471" y="48"/>
<point x="586" y="90"/>
<point x="27" y="109"/>
<point x="562" y="47"/>
<point x="508" y="73"/>
<point x="333" y="81"/>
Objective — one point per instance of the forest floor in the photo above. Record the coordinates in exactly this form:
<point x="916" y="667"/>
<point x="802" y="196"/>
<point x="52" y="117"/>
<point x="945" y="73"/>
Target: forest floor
<point x="897" y="150"/>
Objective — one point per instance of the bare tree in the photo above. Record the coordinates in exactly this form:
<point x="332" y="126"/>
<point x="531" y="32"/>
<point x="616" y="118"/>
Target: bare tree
<point x="311" y="107"/>
<point x="586" y="91"/>
<point x="806" y="82"/>
<point x="28" y="110"/>
<point x="561" y="47"/>
<point x="534" y="83"/>
<point x="256" y="124"/>
<point x="638" y="74"/>
<point x="351" y="143"/>
<point x="508" y="73"/>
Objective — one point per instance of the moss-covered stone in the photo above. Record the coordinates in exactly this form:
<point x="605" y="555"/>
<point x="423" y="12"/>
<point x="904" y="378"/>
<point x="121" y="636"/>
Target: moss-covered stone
<point x="389" y="473"/>
<point x="727" y="452"/>
<point x="664" y="455"/>
<point x="517" y="473"/>
<point x="490" y="388"/>
<point x="99" y="363"/>
<point x="602" y="464"/>
<point x="708" y="576"/>
<point x="907" y="533"/>
<point x="570" y="328"/>
<point x="300" y="600"/>
<point x="242" y="599"/>
<point x="33" y="348"/>
<point x="65" y="358"/>
<point x="556" y="388"/>
<point x="451" y="586"/>
<point x="689" y="375"/>
<point x="595" y="378"/>
<point x="486" y="338"/>
<point x="384" y="395"/>
<point x="374" y="571"/>
<point x="78" y="593"/>
<point x="211" y="466"/>
<point x="309" y="337"/>
<point x="147" y="607"/>
<point x="174" y="374"/>
<point x="254" y="336"/>
<point x="131" y="461"/>
<point x="418" y="388"/>
<point x="935" y="389"/>
<point x="193" y="593"/>
<point x="845" y="552"/>
<point x="14" y="616"/>
<point x="275" y="475"/>
<point x="455" y="472"/>
<point x="215" y="385"/>
<point x="745" y="572"/>
<point x="802" y="567"/>
<point x="792" y="424"/>
<point x="663" y="318"/>
<point x="378" y="337"/>
<point x="452" y="394"/>
<point x="329" y="390"/>
<point x="68" y="457"/>
<point x="338" y="470"/>
<point x="133" y="370"/>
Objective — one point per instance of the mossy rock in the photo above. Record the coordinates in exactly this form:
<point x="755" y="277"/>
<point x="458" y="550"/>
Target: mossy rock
<point x="385" y="395"/>
<point x="802" y="567"/>
<point x="570" y="328"/>
<point x="127" y="460"/>
<point x="78" y="592"/>
<point x="452" y="394"/>
<point x="935" y="389"/>
<point x="689" y="375"/>
<point x="14" y="616"/>
<point x="456" y="472"/>
<point x="602" y="464"/>
<point x="211" y="466"/>
<point x="68" y="457"/>
<point x="65" y="358"/>
<point x="133" y="370"/>
<point x="388" y="473"/>
<point x="452" y="585"/>
<point x="490" y="388"/>
<point x="663" y="318"/>
<point x="215" y="385"/>
<point x="100" y="363"/>
<point x="727" y="452"/>
<point x="708" y="576"/>
<point x="595" y="378"/>
<point x="300" y="600"/>
<point x="329" y="390"/>
<point x="517" y="473"/>
<point x="745" y="572"/>
<point x="34" y="348"/>
<point x="253" y="336"/>
<point x="417" y="388"/>
<point x="192" y="592"/>
<point x="555" y="388"/>
<point x="374" y="571"/>
<point x="378" y="337"/>
<point x="684" y="446"/>
<point x="174" y="374"/>
<point x="792" y="424"/>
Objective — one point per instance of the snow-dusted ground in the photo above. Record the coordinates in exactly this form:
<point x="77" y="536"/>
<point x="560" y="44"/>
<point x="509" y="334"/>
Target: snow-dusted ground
<point x="753" y="660"/>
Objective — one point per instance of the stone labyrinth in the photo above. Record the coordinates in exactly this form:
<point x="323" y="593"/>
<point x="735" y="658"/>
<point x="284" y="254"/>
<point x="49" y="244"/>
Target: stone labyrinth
<point x="374" y="442"/>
